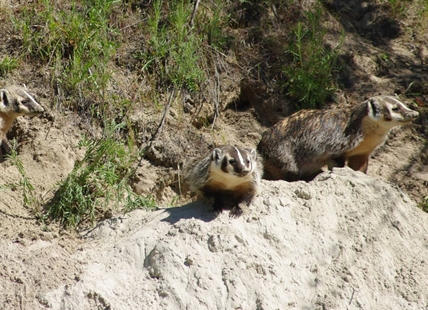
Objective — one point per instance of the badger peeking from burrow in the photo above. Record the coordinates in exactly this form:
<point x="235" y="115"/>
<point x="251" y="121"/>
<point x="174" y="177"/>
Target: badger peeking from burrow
<point x="15" y="101"/>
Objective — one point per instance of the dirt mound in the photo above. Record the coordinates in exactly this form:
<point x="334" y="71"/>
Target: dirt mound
<point x="343" y="240"/>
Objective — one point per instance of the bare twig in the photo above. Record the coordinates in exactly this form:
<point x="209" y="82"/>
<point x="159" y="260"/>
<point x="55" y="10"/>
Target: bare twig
<point x="352" y="296"/>
<point x="155" y="135"/>
<point x="165" y="113"/>
<point x="195" y="8"/>
<point x="216" y="94"/>
<point x="132" y="25"/>
<point x="162" y="122"/>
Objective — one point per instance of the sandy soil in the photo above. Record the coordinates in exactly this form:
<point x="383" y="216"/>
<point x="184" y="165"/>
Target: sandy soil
<point x="342" y="241"/>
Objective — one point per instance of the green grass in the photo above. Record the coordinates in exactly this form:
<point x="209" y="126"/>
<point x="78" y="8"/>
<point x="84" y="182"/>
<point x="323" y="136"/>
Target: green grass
<point x="424" y="204"/>
<point x="74" y="41"/>
<point x="99" y="182"/>
<point x="311" y="70"/>
<point x="422" y="16"/>
<point x="7" y="64"/>
<point x="28" y="192"/>
<point x="175" y="52"/>
<point x="213" y="29"/>
<point x="398" y="7"/>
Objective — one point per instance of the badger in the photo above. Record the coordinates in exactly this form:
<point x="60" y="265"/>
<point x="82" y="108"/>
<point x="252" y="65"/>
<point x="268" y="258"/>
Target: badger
<point x="229" y="177"/>
<point x="299" y="146"/>
<point x="15" y="101"/>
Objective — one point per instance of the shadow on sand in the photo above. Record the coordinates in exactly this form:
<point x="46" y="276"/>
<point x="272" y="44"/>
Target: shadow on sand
<point x="197" y="210"/>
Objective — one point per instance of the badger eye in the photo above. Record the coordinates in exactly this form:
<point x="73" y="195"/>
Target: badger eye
<point x="232" y="161"/>
<point x="248" y="161"/>
<point x="396" y="109"/>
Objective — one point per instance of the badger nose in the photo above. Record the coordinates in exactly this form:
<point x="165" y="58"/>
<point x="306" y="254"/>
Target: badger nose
<point x="413" y="114"/>
<point x="242" y="171"/>
<point x="39" y="110"/>
<point x="238" y="169"/>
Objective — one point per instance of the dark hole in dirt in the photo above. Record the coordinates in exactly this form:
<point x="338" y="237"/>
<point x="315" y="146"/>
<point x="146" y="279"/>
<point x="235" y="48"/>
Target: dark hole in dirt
<point x="383" y="29"/>
<point x="247" y="98"/>
<point x="369" y="20"/>
<point x="240" y="105"/>
<point x="347" y="66"/>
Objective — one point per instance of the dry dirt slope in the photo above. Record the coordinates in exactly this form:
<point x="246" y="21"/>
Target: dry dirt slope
<point x="343" y="241"/>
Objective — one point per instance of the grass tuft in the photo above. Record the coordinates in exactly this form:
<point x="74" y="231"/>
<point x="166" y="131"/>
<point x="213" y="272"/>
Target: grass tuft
<point x="424" y="204"/>
<point x="25" y="184"/>
<point x="175" y="51"/>
<point x="7" y="64"/>
<point x="75" y="42"/>
<point x="310" y="72"/>
<point x="98" y="182"/>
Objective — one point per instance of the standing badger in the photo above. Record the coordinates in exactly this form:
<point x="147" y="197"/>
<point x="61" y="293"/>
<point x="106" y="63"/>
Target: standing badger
<point x="229" y="176"/>
<point x="14" y="101"/>
<point x="297" y="147"/>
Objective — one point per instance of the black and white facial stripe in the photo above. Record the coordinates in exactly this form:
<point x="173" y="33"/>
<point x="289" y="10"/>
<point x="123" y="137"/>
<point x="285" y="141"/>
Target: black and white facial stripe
<point x="234" y="160"/>
<point x="390" y="109"/>
<point x="29" y="101"/>
<point x="4" y="97"/>
<point x="18" y="101"/>
<point x="375" y="109"/>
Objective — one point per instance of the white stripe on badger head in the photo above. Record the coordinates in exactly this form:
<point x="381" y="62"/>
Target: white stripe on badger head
<point x="393" y="98"/>
<point x="402" y="105"/>
<point x="29" y="96"/>
<point x="253" y="161"/>
<point x="253" y="165"/>
<point x="240" y="156"/>
<point x="396" y="100"/>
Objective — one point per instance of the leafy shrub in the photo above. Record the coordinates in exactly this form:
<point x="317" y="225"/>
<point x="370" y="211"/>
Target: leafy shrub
<point x="97" y="182"/>
<point x="310" y="73"/>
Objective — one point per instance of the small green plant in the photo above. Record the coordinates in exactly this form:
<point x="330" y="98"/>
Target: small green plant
<point x="213" y="28"/>
<point x="312" y="65"/>
<point x="424" y="204"/>
<point x="385" y="57"/>
<point x="7" y="64"/>
<point x="175" y="50"/>
<point x="28" y="192"/>
<point x="398" y="7"/>
<point x="97" y="182"/>
<point x="422" y="16"/>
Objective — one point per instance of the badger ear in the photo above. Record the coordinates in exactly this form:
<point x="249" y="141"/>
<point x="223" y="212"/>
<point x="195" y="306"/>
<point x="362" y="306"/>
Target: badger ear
<point x="216" y="155"/>
<point x="4" y="97"/>
<point x="374" y="108"/>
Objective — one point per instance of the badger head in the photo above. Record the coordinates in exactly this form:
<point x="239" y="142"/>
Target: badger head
<point x="235" y="161"/>
<point x="390" y="111"/>
<point x="16" y="100"/>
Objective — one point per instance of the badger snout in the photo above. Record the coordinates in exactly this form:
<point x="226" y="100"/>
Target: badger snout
<point x="241" y="172"/>
<point x="409" y="116"/>
<point x="412" y="115"/>
<point x="36" y="111"/>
